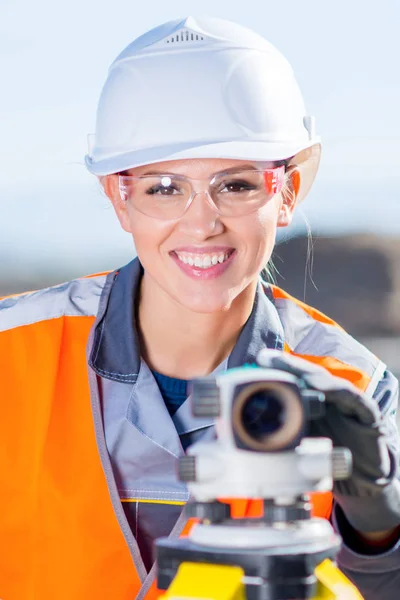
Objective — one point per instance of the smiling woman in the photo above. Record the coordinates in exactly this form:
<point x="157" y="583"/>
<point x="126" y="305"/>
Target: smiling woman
<point x="201" y="173"/>
<point x="197" y="219"/>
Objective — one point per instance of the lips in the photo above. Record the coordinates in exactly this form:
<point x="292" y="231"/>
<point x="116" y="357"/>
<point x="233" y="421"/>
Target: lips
<point x="203" y="263"/>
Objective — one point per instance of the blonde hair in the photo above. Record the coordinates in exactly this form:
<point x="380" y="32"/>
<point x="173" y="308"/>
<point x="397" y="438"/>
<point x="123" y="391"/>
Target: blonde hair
<point x="269" y="272"/>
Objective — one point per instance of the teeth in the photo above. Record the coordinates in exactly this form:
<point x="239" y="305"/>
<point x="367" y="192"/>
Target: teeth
<point x="203" y="261"/>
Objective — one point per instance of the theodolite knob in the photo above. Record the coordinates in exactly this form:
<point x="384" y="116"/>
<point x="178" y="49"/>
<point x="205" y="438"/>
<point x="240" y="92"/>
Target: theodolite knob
<point x="342" y="463"/>
<point x="205" y="398"/>
<point x="187" y="468"/>
<point x="214" y="512"/>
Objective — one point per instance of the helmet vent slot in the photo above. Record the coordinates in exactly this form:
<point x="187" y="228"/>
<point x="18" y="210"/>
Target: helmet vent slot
<point x="184" y="36"/>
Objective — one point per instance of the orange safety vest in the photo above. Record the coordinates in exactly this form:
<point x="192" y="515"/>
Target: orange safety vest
<point x="60" y="538"/>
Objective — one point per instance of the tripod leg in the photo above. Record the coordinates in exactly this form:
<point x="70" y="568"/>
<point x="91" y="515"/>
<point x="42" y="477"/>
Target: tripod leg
<point x="206" y="581"/>
<point x="333" y="585"/>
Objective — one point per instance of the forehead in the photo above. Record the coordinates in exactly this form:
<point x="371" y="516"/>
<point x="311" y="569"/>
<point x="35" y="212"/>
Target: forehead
<point x="197" y="167"/>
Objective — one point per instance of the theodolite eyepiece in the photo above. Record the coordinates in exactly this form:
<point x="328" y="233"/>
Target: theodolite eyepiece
<point x="267" y="416"/>
<point x="265" y="410"/>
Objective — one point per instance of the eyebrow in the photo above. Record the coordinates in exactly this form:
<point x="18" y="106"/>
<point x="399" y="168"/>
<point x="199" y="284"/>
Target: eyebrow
<point x="157" y="173"/>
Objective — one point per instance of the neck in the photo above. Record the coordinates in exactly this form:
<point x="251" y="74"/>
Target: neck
<point x="184" y="344"/>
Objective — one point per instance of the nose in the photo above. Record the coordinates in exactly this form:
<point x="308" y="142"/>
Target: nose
<point x="201" y="220"/>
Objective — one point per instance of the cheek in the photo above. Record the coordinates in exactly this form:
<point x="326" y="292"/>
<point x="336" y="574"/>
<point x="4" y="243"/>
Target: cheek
<point x="148" y="234"/>
<point x="259" y="229"/>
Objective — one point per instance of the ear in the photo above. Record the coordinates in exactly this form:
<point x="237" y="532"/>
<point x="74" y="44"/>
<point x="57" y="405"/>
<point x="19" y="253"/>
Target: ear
<point x="110" y="184"/>
<point x="289" y="197"/>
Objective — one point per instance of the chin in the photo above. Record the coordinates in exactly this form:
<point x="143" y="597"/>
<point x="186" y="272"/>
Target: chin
<point x="206" y="303"/>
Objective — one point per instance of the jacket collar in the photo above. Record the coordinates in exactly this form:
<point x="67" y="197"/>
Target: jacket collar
<point x="115" y="353"/>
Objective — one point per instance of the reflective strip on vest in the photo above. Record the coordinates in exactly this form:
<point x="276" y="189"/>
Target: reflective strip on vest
<point x="313" y="336"/>
<point x="76" y="298"/>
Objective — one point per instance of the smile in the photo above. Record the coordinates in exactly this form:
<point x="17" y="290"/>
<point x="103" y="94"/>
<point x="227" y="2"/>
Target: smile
<point x="204" y="266"/>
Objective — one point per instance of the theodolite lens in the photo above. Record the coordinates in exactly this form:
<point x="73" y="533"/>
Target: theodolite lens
<point x="267" y="416"/>
<point x="262" y="414"/>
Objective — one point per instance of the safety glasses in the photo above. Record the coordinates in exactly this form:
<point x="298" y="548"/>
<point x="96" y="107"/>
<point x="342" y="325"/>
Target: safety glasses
<point x="231" y="193"/>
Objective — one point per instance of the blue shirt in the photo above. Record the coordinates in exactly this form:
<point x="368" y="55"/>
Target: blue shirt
<point x="173" y="390"/>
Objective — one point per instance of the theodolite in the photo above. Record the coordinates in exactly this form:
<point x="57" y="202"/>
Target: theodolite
<point x="261" y="450"/>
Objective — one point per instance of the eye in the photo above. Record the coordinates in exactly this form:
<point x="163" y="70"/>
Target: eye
<point x="236" y="186"/>
<point x="162" y="190"/>
<point x="164" y="185"/>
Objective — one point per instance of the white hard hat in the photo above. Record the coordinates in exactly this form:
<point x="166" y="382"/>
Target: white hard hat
<point x="202" y="88"/>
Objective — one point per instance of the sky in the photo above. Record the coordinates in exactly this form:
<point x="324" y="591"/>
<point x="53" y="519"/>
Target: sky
<point x="54" y="59"/>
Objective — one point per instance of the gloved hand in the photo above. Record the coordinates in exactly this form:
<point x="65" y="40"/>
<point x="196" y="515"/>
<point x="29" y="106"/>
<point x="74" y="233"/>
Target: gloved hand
<point x="370" y="498"/>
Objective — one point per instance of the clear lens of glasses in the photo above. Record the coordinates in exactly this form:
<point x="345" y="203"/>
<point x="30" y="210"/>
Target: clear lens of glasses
<point x="234" y="193"/>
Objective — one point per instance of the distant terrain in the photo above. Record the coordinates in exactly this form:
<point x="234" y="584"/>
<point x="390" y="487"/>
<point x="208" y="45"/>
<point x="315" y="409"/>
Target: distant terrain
<point x="353" y="279"/>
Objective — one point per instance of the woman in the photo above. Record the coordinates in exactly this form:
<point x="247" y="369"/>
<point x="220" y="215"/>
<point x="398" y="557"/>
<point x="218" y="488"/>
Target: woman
<point x="204" y="148"/>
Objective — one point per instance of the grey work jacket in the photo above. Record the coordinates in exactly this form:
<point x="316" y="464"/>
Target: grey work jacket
<point x="141" y="443"/>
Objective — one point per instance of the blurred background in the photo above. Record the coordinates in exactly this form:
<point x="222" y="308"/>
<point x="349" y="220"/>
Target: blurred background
<point x="56" y="224"/>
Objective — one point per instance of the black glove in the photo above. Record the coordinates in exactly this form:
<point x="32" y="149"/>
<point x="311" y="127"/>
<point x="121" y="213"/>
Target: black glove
<point x="370" y="498"/>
